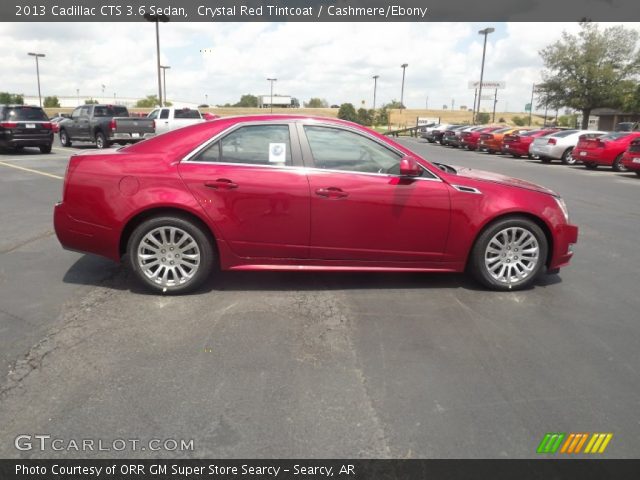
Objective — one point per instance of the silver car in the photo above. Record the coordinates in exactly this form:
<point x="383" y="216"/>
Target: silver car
<point x="559" y="145"/>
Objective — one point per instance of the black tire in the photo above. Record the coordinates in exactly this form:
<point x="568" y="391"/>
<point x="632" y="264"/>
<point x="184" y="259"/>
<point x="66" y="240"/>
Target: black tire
<point x="64" y="138"/>
<point x="516" y="156"/>
<point x="638" y="172"/>
<point x="430" y="140"/>
<point x="567" y="157"/>
<point x="545" y="159"/>
<point x="198" y="234"/>
<point x="590" y="165"/>
<point x="491" y="152"/>
<point x="617" y="164"/>
<point x="101" y="140"/>
<point x="45" y="148"/>
<point x="477" y="259"/>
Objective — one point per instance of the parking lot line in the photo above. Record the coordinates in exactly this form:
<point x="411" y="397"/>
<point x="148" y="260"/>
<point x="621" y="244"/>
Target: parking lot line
<point x="58" y="177"/>
<point x="64" y="149"/>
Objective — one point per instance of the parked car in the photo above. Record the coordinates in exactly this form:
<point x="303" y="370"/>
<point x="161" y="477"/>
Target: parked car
<point x="55" y="123"/>
<point x="627" y="126"/>
<point x="289" y="192"/>
<point x="210" y="116"/>
<point x="492" y="141"/>
<point x="170" y="118"/>
<point x="470" y="139"/>
<point x="631" y="158"/>
<point x="606" y="150"/>
<point x="103" y="125"/>
<point x="559" y="145"/>
<point x="25" y="126"/>
<point x="517" y="144"/>
<point x="450" y="138"/>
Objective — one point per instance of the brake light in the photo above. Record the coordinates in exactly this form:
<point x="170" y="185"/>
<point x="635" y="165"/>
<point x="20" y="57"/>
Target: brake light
<point x="112" y="124"/>
<point x="47" y="125"/>
<point x="551" y="141"/>
<point x="8" y="124"/>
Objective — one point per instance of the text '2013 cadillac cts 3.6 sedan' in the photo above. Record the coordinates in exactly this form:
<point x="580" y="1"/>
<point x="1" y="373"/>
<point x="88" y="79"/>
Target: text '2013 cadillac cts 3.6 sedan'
<point x="284" y="192"/>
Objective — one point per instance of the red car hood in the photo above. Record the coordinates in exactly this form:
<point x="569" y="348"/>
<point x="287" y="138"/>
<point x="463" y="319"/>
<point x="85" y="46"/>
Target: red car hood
<point x="502" y="179"/>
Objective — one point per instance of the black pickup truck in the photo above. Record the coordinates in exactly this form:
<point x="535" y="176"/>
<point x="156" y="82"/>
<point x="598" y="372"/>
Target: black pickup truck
<point x="104" y="125"/>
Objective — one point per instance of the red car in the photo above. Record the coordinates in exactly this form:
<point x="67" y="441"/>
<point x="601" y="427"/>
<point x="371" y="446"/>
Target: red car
<point x="288" y="192"/>
<point x="631" y="158"/>
<point x="517" y="144"/>
<point x="470" y="139"/>
<point x="606" y="150"/>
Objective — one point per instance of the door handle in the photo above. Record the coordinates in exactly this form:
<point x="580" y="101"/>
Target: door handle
<point x="331" y="192"/>
<point x="221" y="184"/>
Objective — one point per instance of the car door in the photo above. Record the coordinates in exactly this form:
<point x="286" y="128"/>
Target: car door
<point x="71" y="126"/>
<point x="362" y="209"/>
<point x="163" y="122"/>
<point x="251" y="183"/>
<point x="84" y="126"/>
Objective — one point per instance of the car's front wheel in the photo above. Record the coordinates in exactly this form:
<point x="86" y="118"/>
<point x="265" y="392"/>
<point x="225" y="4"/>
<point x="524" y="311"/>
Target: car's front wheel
<point x="618" y="166"/>
<point x="65" y="141"/>
<point x="45" y="148"/>
<point x="509" y="254"/>
<point x="170" y="254"/>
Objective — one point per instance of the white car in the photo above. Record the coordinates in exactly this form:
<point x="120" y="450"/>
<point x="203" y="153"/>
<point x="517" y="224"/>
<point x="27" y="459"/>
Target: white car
<point x="170" y="118"/>
<point x="559" y="145"/>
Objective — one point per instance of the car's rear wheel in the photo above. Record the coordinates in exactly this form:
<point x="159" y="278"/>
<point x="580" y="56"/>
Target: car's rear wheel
<point x="567" y="157"/>
<point x="45" y="148"/>
<point x="591" y="165"/>
<point x="638" y="172"/>
<point x="170" y="254"/>
<point x="64" y="138"/>
<point x="618" y="166"/>
<point x="509" y="254"/>
<point x="101" y="140"/>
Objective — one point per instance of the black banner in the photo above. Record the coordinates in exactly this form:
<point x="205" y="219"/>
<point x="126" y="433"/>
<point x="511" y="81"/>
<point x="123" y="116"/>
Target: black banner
<point x="319" y="469"/>
<point x="319" y="10"/>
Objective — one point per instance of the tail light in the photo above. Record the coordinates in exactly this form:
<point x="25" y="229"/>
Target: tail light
<point x="552" y="141"/>
<point x="47" y="125"/>
<point x="8" y="124"/>
<point x="112" y="124"/>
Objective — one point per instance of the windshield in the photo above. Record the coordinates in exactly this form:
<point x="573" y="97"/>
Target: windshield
<point x="25" y="113"/>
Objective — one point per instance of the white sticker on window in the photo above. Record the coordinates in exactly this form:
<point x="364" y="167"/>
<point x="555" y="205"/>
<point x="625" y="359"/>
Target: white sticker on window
<point x="277" y="152"/>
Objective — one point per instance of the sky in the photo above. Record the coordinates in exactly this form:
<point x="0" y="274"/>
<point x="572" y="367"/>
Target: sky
<point x="334" y="61"/>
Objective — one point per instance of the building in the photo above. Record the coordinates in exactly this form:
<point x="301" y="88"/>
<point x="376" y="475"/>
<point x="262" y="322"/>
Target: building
<point x="279" y="101"/>
<point x="608" y="118"/>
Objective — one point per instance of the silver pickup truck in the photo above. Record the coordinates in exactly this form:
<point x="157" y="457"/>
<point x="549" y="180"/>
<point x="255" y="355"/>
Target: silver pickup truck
<point x="104" y="125"/>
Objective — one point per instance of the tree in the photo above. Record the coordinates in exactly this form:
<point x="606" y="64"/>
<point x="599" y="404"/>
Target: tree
<point x="591" y="69"/>
<point x="91" y="101"/>
<point x="317" y="103"/>
<point x="348" y="112"/>
<point x="483" y="117"/>
<point x="393" y="104"/>
<point x="149" y="102"/>
<point x="519" y="121"/>
<point x="51" y="102"/>
<point x="632" y="98"/>
<point x="382" y="117"/>
<point x="247" y="101"/>
<point x="10" y="98"/>
<point x="365" y="117"/>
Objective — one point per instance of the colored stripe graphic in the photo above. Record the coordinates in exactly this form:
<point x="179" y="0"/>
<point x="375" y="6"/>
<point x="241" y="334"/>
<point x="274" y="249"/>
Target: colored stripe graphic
<point x="573" y="443"/>
<point x="550" y="442"/>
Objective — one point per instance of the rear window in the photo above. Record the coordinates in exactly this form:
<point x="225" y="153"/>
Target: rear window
<point x="110" y="111"/>
<point x="25" y="113"/>
<point x="186" y="113"/>
<point x="564" y="133"/>
<point x="615" y="136"/>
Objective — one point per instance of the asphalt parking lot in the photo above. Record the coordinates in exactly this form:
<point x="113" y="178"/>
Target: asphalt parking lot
<point x="260" y="365"/>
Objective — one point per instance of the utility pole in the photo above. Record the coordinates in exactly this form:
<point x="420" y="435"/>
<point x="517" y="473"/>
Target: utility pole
<point x="533" y="89"/>
<point x="375" y="86"/>
<point x="37" y="56"/>
<point x="473" y="112"/>
<point x="157" y="19"/>
<point x="495" y="101"/>
<point x="404" y="67"/>
<point x="272" y="80"/>
<point x="453" y="102"/>
<point x="164" y="82"/>
<point x="486" y="33"/>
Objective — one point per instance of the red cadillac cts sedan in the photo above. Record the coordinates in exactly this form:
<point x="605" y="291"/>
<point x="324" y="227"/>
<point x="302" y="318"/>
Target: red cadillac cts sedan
<point x="285" y="192"/>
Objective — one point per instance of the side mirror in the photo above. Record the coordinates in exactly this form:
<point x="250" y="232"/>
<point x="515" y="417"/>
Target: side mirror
<point x="409" y="167"/>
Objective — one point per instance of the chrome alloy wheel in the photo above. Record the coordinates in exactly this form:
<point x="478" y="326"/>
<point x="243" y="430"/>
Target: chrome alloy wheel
<point x="168" y="256"/>
<point x="512" y="255"/>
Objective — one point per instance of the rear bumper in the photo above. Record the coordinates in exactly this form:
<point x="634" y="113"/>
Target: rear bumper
<point x="26" y="141"/>
<point x="130" y="137"/>
<point x="511" y="149"/>
<point x="566" y="236"/>
<point x="591" y="156"/>
<point x="628" y="162"/>
<point x="74" y="234"/>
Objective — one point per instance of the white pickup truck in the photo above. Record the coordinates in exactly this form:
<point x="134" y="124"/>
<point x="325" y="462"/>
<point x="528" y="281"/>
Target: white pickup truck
<point x="170" y="118"/>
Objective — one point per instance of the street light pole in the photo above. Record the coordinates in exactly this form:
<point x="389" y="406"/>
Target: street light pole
<point x="375" y="86"/>
<point x="37" y="55"/>
<point x="486" y="33"/>
<point x="533" y="89"/>
<point x="164" y="80"/>
<point x="404" y="67"/>
<point x="78" y="94"/>
<point x="157" y="19"/>
<point x="272" y="80"/>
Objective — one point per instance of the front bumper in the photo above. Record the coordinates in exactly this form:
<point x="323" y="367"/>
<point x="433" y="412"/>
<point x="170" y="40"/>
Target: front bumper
<point x="566" y="236"/>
